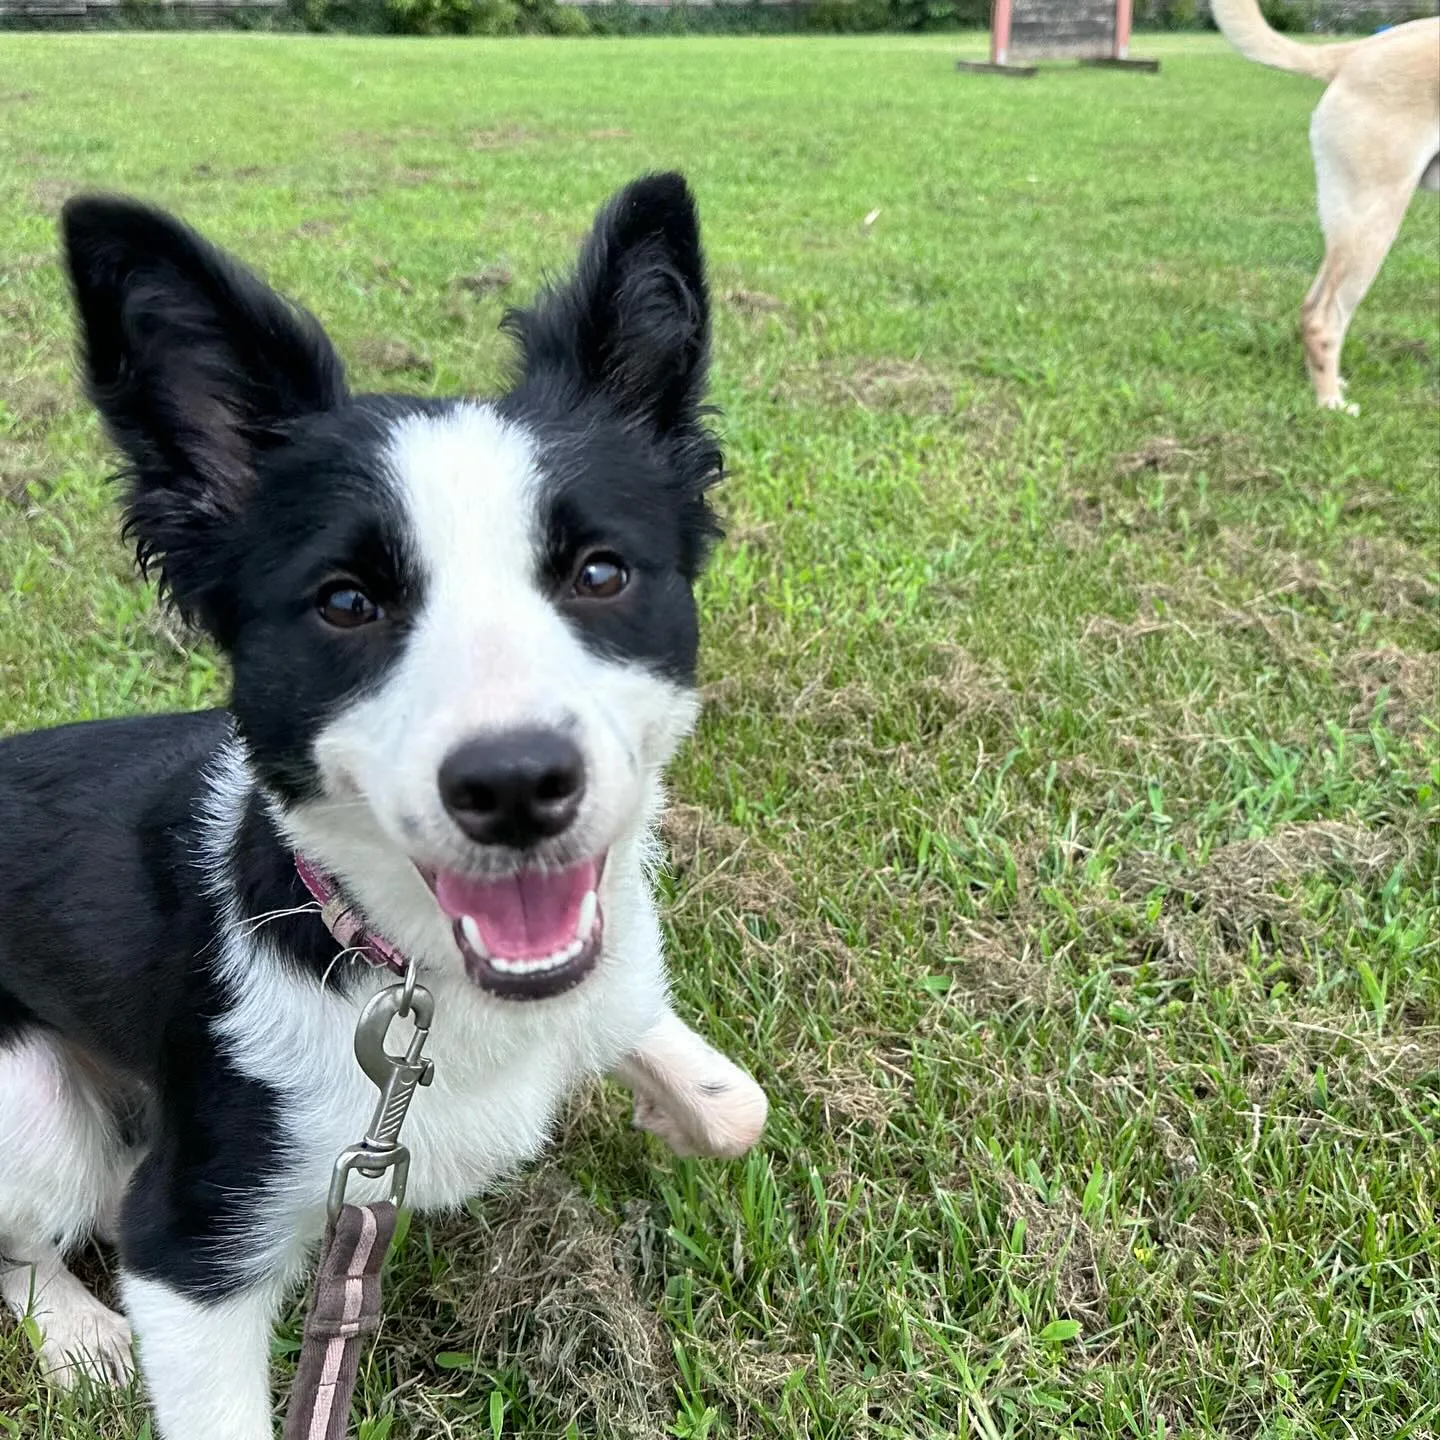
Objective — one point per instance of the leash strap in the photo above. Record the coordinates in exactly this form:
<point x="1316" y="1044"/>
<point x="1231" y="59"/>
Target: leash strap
<point x="346" y="1310"/>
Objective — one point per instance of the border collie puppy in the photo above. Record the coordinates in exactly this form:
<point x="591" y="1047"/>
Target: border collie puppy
<point x="463" y="641"/>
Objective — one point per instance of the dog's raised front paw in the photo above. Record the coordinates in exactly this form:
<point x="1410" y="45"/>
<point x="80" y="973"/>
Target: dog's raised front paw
<point x="721" y="1115"/>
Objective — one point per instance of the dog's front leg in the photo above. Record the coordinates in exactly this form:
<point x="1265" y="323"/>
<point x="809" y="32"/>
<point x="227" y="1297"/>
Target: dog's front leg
<point x="690" y="1095"/>
<point x="205" y="1262"/>
<point x="205" y="1363"/>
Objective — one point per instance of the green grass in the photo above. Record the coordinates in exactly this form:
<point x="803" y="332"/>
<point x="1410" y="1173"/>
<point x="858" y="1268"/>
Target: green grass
<point x="1059" y="846"/>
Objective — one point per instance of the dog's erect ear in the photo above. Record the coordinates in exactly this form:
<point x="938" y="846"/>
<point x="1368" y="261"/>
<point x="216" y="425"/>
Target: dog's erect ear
<point x="634" y="321"/>
<point x="196" y="366"/>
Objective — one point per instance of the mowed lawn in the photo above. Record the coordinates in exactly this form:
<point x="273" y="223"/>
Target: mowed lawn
<point x="1059" y="846"/>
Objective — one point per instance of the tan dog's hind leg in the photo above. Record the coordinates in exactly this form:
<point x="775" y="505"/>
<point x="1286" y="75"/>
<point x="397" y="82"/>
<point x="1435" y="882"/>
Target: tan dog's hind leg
<point x="690" y="1095"/>
<point x="1364" y="179"/>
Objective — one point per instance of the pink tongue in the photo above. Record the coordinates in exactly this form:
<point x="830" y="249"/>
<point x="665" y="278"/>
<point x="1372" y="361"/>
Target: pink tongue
<point x="521" y="917"/>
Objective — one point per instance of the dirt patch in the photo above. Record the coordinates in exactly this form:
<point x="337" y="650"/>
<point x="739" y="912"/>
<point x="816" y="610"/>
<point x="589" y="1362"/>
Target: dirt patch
<point x="393" y="357"/>
<point x="316" y="229"/>
<point x="1161" y="453"/>
<point x="1409" y="685"/>
<point x="611" y="134"/>
<point x="34" y="402"/>
<point x="754" y="302"/>
<point x="50" y="193"/>
<point x="501" y="137"/>
<point x="905" y="385"/>
<point x="488" y="281"/>
<point x="556" y="1289"/>
<point x="206" y="171"/>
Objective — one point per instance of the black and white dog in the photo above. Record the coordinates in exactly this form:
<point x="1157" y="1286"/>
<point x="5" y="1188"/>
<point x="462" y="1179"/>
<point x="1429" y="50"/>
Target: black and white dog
<point x="463" y="640"/>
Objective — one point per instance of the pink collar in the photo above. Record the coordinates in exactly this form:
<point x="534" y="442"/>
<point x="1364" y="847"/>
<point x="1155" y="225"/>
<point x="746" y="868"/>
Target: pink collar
<point x="345" y="923"/>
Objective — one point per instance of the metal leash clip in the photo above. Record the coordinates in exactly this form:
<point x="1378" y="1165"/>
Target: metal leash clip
<point x="396" y="1077"/>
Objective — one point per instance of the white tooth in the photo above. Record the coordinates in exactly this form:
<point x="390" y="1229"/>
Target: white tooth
<point x="588" y="906"/>
<point x="473" y="938"/>
<point x="535" y="966"/>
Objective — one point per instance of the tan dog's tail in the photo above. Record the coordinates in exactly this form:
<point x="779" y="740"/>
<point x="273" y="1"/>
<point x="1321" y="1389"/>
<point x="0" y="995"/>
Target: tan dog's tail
<point x="1245" y="28"/>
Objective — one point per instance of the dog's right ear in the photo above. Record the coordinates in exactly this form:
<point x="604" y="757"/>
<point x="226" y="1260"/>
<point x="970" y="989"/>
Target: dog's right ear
<point x="196" y="367"/>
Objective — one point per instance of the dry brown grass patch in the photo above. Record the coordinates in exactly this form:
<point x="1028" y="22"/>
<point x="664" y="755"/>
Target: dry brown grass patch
<point x="501" y="137"/>
<point x="845" y="1090"/>
<point x="890" y="384"/>
<point x="1396" y="576"/>
<point x="1409" y="683"/>
<point x="33" y="403"/>
<point x="555" y="1288"/>
<point x="1384" y="575"/>
<point x="1164" y="454"/>
<point x="1159" y="453"/>
<point x="966" y="687"/>
<point x="1249" y="888"/>
<point x="49" y="193"/>
<point x="999" y="969"/>
<point x="487" y="281"/>
<point x="1061" y="1247"/>
<point x="719" y="864"/>
<point x="755" y="302"/>
<point x="393" y="357"/>
<point x="907" y="386"/>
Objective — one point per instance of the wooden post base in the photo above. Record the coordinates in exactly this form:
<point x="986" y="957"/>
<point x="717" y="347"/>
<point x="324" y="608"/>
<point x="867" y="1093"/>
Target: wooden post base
<point x="1110" y="62"/>
<point x="980" y="68"/>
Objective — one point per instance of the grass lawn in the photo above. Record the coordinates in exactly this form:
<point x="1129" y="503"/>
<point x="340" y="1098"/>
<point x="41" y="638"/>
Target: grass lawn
<point x="1059" y="846"/>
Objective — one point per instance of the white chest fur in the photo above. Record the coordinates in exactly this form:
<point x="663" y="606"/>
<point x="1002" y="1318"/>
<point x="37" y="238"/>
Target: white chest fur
<point x="502" y="1069"/>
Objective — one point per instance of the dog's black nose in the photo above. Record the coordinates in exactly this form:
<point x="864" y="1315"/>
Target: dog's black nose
<point x="515" y="788"/>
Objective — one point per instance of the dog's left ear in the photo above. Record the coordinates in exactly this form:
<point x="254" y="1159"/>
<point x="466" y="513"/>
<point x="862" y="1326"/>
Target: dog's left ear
<point x="634" y="321"/>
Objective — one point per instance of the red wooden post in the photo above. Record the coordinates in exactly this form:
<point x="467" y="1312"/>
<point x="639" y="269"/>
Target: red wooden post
<point x="1122" y="28"/>
<point x="1000" y="31"/>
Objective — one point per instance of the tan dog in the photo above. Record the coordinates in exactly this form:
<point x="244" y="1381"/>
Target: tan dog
<point x="1375" y="136"/>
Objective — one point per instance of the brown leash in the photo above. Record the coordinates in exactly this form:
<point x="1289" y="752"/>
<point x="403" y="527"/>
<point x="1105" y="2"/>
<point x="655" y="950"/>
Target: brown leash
<point x="345" y="1311"/>
<point x="346" y="1308"/>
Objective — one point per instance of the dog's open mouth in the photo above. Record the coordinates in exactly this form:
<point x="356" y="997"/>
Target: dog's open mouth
<point x="529" y="935"/>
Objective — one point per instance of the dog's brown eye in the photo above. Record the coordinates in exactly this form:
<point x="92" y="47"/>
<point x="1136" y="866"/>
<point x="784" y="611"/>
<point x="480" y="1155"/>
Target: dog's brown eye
<point x="347" y="607"/>
<point x="602" y="576"/>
